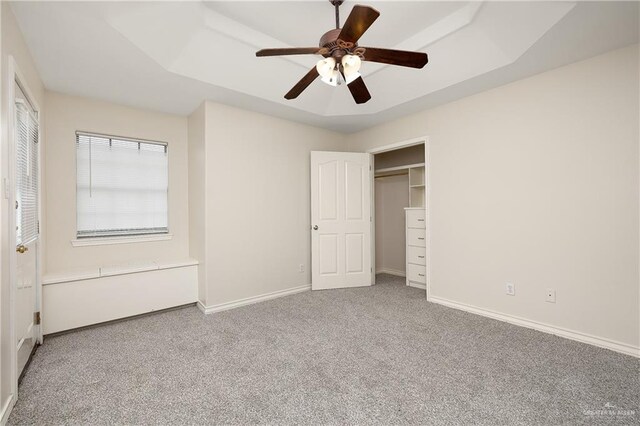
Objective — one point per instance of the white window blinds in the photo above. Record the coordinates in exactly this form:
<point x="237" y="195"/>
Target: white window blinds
<point x="122" y="186"/>
<point x="26" y="174"/>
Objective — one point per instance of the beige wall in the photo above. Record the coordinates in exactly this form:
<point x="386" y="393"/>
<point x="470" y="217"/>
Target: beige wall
<point x="197" y="199"/>
<point x="257" y="202"/>
<point x="65" y="115"/>
<point x="392" y="196"/>
<point x="12" y="45"/>
<point x="537" y="183"/>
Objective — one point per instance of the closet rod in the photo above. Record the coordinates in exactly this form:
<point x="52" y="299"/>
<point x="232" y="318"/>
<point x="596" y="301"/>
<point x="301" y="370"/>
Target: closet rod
<point x="390" y="174"/>
<point x="396" y="168"/>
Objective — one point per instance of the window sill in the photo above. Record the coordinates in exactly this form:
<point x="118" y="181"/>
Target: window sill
<point x="120" y="240"/>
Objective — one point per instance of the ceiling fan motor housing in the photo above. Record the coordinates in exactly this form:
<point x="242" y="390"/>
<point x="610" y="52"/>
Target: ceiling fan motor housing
<point x="329" y="42"/>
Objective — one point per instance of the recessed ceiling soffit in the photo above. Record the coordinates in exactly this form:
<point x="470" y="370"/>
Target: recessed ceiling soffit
<point x="201" y="41"/>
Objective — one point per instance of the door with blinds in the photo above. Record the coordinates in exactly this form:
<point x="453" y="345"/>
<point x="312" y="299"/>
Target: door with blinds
<point x="26" y="180"/>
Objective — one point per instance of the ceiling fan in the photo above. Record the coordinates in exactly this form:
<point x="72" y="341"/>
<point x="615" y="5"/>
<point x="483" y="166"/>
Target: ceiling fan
<point x="343" y="55"/>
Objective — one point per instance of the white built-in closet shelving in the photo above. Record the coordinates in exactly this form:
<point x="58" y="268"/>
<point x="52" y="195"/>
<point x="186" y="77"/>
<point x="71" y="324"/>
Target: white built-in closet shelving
<point x="416" y="181"/>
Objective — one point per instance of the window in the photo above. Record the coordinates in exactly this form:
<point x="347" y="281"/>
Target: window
<point x="26" y="173"/>
<point x="122" y="186"/>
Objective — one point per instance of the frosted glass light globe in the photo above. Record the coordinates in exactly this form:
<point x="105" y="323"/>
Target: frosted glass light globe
<point x="326" y="67"/>
<point x="351" y="64"/>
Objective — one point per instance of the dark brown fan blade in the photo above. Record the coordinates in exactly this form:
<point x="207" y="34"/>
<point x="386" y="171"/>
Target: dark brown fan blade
<point x="302" y="84"/>
<point x="359" y="21"/>
<point x="396" y="57"/>
<point x="288" y="51"/>
<point x="359" y="90"/>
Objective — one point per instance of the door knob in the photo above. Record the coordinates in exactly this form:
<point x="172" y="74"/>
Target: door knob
<point x="315" y="227"/>
<point x="21" y="249"/>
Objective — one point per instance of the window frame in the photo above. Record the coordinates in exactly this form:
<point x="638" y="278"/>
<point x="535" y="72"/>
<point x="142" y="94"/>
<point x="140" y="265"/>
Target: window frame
<point x="117" y="238"/>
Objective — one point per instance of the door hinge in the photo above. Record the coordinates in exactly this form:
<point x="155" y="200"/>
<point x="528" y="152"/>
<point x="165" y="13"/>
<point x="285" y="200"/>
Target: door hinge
<point x="38" y="227"/>
<point x="36" y="318"/>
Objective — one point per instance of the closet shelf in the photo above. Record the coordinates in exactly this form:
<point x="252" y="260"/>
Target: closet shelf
<point x="393" y="169"/>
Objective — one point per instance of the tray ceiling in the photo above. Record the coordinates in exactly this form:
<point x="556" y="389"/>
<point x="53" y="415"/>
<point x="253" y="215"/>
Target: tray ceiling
<point x="171" y="56"/>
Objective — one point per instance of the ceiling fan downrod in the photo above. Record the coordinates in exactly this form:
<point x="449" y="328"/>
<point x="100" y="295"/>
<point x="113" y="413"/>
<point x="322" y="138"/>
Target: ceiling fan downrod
<point x="336" y="4"/>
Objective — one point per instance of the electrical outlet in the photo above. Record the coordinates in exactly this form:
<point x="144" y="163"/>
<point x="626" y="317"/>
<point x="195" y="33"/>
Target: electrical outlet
<point x="511" y="289"/>
<point x="551" y="295"/>
<point x="301" y="268"/>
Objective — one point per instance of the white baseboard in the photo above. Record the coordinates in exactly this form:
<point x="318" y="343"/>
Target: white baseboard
<point x="389" y="271"/>
<point x="251" y="300"/>
<point x="416" y="285"/>
<point x="545" y="328"/>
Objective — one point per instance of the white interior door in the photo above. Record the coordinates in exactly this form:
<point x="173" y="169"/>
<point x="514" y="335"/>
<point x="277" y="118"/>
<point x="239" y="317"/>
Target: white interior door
<point x="26" y="135"/>
<point x="340" y="220"/>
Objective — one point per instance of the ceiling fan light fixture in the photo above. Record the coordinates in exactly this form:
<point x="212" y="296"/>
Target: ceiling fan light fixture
<point x="351" y="65"/>
<point x="326" y="67"/>
<point x="332" y="79"/>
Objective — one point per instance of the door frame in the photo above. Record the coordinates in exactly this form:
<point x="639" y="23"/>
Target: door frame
<point x="427" y="187"/>
<point x="15" y="76"/>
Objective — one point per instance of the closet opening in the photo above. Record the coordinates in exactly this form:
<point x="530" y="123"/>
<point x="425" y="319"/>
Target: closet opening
<point x="400" y="225"/>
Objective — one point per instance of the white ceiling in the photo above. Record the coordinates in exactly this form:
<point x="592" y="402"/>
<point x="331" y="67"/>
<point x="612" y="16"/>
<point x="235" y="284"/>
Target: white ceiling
<point x="170" y="56"/>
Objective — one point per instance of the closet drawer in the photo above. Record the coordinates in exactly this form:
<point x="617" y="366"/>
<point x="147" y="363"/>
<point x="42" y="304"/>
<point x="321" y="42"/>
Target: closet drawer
<point x="415" y="219"/>
<point x="416" y="255"/>
<point x="416" y="273"/>
<point x="416" y="237"/>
